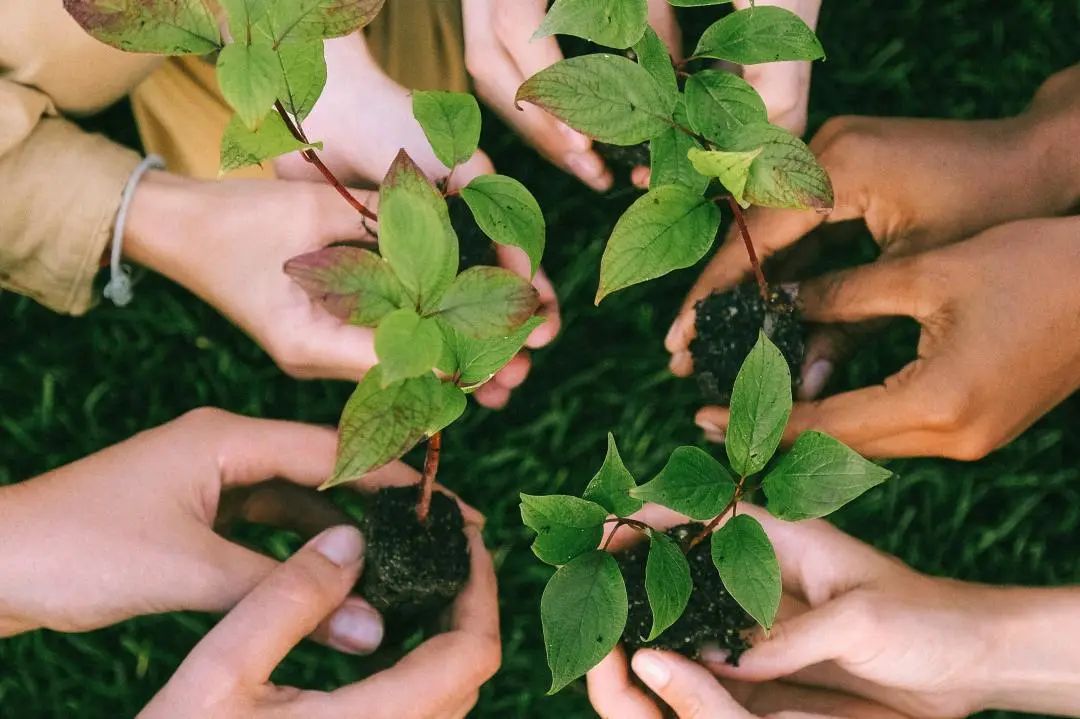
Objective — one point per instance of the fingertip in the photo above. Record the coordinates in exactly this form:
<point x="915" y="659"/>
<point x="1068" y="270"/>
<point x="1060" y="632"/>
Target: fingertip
<point x="712" y="419"/>
<point x="515" y="372"/>
<point x="682" y="364"/>
<point x="640" y="177"/>
<point x="652" y="668"/>
<point x="545" y="333"/>
<point x="492" y="396"/>
<point x="355" y="627"/>
<point x="681" y="332"/>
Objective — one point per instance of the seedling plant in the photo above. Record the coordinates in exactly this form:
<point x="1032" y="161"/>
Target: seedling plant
<point x="585" y="610"/>
<point x="439" y="333"/>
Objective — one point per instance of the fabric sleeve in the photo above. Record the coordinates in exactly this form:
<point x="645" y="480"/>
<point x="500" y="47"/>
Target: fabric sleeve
<point x="61" y="189"/>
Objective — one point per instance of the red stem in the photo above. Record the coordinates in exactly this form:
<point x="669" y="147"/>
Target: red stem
<point x="427" y="481"/>
<point x="763" y="286"/>
<point x="704" y="533"/>
<point x="621" y="522"/>
<point x="313" y="157"/>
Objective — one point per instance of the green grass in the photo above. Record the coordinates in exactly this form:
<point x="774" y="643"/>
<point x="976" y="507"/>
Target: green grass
<point x="69" y="387"/>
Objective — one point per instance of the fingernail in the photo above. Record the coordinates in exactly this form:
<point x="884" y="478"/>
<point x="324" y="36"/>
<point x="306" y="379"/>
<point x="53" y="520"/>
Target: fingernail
<point x="791" y="289"/>
<point x="713" y="654"/>
<point x="652" y="670"/>
<point x="585" y="165"/>
<point x="356" y="629"/>
<point x="708" y="425"/>
<point x="341" y="545"/>
<point x="815" y="378"/>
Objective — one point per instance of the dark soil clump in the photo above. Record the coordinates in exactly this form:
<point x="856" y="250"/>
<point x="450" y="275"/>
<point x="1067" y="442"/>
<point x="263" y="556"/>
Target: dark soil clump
<point x="711" y="615"/>
<point x="412" y="570"/>
<point x="727" y="328"/>
<point x="623" y="158"/>
<point x="474" y="247"/>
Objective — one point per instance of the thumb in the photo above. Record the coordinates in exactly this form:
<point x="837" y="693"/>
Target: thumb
<point x="687" y="687"/>
<point x="822" y="634"/>
<point x="284" y="608"/>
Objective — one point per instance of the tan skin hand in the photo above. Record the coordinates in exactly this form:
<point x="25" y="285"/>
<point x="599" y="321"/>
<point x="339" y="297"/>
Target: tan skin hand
<point x="917" y="184"/>
<point x="130" y="530"/>
<point x="227" y="675"/>
<point x="1000" y="343"/>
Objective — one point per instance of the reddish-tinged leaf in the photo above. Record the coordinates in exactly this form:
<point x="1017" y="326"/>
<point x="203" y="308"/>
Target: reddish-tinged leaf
<point x="351" y="283"/>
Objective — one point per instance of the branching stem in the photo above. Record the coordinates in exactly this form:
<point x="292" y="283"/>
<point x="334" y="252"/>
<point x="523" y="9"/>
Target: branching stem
<point x="711" y="526"/>
<point x="427" y="481"/>
<point x="622" y="522"/>
<point x="313" y="157"/>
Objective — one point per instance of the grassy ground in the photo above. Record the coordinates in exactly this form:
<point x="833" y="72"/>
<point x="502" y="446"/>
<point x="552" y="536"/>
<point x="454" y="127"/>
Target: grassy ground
<point x="69" y="387"/>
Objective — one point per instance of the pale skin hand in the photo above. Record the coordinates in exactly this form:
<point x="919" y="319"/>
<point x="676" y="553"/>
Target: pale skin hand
<point x="501" y="54"/>
<point x="689" y="690"/>
<point x="129" y="531"/>
<point x="857" y="621"/>
<point x="784" y="86"/>
<point x="364" y="118"/>
<point x="232" y="248"/>
<point x="999" y="347"/>
<point x="227" y="675"/>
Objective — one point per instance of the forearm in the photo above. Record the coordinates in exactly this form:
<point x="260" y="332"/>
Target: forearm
<point x="1035" y="663"/>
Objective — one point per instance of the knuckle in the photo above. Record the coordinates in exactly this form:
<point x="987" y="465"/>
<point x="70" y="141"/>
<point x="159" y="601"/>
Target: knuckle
<point x="970" y="445"/>
<point x="947" y="408"/>
<point x="860" y="610"/>
<point x="205" y="417"/>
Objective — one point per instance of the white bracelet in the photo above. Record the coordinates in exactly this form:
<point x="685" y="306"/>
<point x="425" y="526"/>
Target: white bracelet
<point x="118" y="288"/>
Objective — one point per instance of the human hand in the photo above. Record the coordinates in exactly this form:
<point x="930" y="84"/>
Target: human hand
<point x="784" y="86"/>
<point x="230" y="251"/>
<point x="692" y="692"/>
<point x="129" y="531"/>
<point x="1000" y="343"/>
<point x="227" y="674"/>
<point x="917" y="184"/>
<point x="501" y="54"/>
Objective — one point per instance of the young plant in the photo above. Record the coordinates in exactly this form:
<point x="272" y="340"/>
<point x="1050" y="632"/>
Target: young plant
<point x="584" y="609"/>
<point x="709" y="140"/>
<point x="426" y="315"/>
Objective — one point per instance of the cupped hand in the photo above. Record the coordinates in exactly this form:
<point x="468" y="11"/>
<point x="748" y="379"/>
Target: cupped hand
<point x="999" y="344"/>
<point x="129" y="531"/>
<point x="227" y="674"/>
<point x="917" y="184"/>
<point x="852" y="620"/>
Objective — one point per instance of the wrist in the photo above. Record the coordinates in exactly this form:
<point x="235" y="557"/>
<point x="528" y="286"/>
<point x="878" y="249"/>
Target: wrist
<point x="1032" y="665"/>
<point x="161" y="222"/>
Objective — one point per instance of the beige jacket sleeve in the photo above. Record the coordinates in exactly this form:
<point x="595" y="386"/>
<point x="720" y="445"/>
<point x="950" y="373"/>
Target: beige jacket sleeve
<point x="59" y="186"/>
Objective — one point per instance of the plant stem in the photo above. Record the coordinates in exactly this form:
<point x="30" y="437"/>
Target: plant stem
<point x="313" y="157"/>
<point x="622" y="522"/>
<point x="763" y="286"/>
<point x="427" y="481"/>
<point x="711" y="526"/>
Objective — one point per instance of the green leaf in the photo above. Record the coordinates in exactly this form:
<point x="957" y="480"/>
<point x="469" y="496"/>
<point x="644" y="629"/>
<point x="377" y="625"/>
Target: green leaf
<point x="451" y="123"/>
<point x="349" y="282"/>
<point x="488" y="302"/>
<point x="667" y="582"/>
<point x="476" y="361"/>
<point x="612" y="23"/>
<point x="507" y="213"/>
<point x="241" y="147"/>
<point x="611" y="485"/>
<point x="303" y="76"/>
<point x="718" y="103"/>
<point x="298" y="20"/>
<point x="415" y="235"/>
<point x="817" y="477"/>
<point x="666" y="229"/>
<point x="160" y="27"/>
<point x="652" y="54"/>
<point x="608" y="97"/>
<point x="379" y="424"/>
<point x="692" y="483"/>
<point x="407" y="345"/>
<point x="449" y="405"/>
<point x="565" y="526"/>
<point x="760" y="407"/>
<point x="583" y="611"/>
<point x="243" y="16"/>
<point x="786" y="174"/>
<point x="731" y="168"/>
<point x="745" y="558"/>
<point x="250" y="80"/>
<point x="760" y="34"/>
<point x="668" y="159"/>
